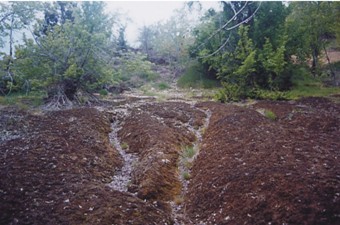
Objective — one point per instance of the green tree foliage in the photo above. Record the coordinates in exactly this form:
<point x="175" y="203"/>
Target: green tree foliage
<point x="309" y="26"/>
<point x="134" y="68"/>
<point x="70" y="50"/>
<point x="272" y="62"/>
<point x="269" y="23"/>
<point x="249" y="45"/>
<point x="169" y="41"/>
<point x="14" y="16"/>
<point x="242" y="62"/>
<point x="122" y="45"/>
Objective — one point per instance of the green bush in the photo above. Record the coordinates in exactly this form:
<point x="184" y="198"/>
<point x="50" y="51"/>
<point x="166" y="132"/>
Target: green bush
<point x="196" y="77"/>
<point x="103" y="92"/>
<point x="220" y="96"/>
<point x="230" y="93"/>
<point x="262" y="94"/>
<point x="163" y="86"/>
<point x="135" y="65"/>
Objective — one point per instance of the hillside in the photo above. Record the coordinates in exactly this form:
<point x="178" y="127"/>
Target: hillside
<point x="139" y="161"/>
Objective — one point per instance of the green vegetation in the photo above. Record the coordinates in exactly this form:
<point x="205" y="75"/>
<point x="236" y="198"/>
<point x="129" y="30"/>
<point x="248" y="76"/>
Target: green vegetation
<point x="186" y="175"/>
<point x="196" y="76"/>
<point x="188" y="152"/>
<point x="253" y="59"/>
<point x="273" y="51"/>
<point x="124" y="145"/>
<point x="270" y="115"/>
<point x="103" y="92"/>
<point x="35" y="99"/>
<point x="134" y="68"/>
<point x="163" y="86"/>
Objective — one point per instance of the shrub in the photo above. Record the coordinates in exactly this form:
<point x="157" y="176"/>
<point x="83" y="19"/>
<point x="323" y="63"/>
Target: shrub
<point x="196" y="77"/>
<point x="163" y="86"/>
<point x="229" y="93"/>
<point x="220" y="96"/>
<point x="103" y="92"/>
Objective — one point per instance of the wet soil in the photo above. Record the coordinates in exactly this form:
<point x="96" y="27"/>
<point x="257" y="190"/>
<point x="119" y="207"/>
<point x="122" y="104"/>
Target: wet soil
<point x="121" y="163"/>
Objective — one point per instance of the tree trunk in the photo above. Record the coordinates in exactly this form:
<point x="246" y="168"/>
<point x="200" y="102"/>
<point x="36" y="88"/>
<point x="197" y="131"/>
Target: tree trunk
<point x="330" y="66"/>
<point x="314" y="62"/>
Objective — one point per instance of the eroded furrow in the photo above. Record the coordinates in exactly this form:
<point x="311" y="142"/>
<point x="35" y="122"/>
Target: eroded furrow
<point x="185" y="162"/>
<point x="122" y="177"/>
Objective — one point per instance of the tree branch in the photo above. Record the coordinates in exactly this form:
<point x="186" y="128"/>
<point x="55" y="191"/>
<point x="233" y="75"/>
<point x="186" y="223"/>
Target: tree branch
<point x="224" y="27"/>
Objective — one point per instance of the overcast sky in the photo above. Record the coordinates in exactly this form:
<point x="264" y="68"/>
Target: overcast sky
<point x="141" y="13"/>
<point x="148" y="12"/>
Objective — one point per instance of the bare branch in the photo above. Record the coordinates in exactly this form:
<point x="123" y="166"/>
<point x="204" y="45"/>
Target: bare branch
<point x="246" y="20"/>
<point x="223" y="27"/>
<point x="229" y="29"/>
<point x="221" y="47"/>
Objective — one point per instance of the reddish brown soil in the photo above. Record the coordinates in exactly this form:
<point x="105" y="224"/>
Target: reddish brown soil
<point x="54" y="168"/>
<point x="157" y="132"/>
<point x="252" y="170"/>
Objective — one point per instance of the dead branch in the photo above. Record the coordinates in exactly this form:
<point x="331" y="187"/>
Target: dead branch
<point x="224" y="27"/>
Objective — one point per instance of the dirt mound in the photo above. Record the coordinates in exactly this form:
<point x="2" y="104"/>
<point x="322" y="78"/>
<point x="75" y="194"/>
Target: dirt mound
<point x="157" y="132"/>
<point x="54" y="169"/>
<point x="253" y="170"/>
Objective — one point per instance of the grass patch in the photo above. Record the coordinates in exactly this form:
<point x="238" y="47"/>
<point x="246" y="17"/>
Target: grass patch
<point x="23" y="101"/>
<point x="307" y="86"/>
<point x="189" y="152"/>
<point x="163" y="86"/>
<point x="270" y="115"/>
<point x="124" y="145"/>
<point x="186" y="175"/>
<point x="196" y="77"/>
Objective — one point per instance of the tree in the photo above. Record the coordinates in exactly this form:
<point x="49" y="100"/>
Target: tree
<point x="122" y="46"/>
<point x="14" y="16"/>
<point x="272" y="62"/>
<point x="233" y="16"/>
<point x="70" y="50"/>
<point x="309" y="26"/>
<point x="146" y="38"/>
<point x="237" y="67"/>
<point x="169" y="41"/>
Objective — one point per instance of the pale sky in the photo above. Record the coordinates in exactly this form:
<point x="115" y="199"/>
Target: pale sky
<point x="148" y="12"/>
<point x="141" y="13"/>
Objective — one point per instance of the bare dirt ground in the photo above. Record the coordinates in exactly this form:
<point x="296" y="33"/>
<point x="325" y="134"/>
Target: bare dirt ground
<point x="64" y="167"/>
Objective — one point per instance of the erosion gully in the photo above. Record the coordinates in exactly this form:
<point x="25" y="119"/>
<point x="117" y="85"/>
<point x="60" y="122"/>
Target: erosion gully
<point x="122" y="177"/>
<point x="178" y="210"/>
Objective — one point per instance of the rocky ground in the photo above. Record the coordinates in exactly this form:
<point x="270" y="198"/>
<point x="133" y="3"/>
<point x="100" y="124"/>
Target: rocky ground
<point x="135" y="160"/>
